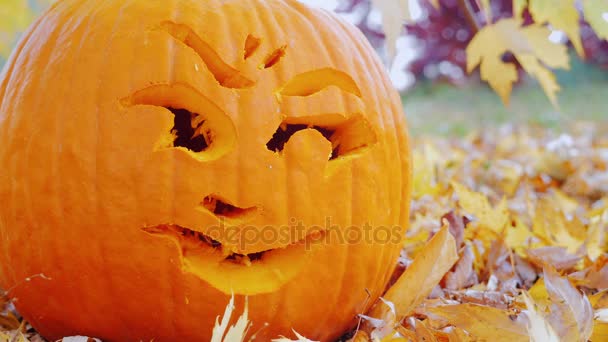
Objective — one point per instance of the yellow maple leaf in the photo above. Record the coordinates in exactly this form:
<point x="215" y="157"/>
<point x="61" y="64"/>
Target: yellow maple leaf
<point x="551" y="225"/>
<point x="518" y="237"/>
<point x="595" y="14"/>
<point x="529" y="45"/>
<point x="478" y="205"/>
<point x="561" y="15"/>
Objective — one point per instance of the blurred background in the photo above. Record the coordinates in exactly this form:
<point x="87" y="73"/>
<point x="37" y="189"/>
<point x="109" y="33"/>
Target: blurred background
<point x="429" y="67"/>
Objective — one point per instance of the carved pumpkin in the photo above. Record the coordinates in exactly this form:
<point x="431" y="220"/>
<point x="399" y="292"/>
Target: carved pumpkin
<point x="159" y="156"/>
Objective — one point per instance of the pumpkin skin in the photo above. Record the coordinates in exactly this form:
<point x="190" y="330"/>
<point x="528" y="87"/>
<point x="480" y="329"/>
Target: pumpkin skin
<point x="113" y="210"/>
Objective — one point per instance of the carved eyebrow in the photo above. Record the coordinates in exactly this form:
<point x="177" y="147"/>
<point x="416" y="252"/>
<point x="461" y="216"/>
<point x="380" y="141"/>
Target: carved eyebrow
<point x="311" y="82"/>
<point x="226" y="75"/>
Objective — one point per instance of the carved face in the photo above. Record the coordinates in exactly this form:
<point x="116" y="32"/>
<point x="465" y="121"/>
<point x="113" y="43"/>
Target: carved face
<point x="195" y="150"/>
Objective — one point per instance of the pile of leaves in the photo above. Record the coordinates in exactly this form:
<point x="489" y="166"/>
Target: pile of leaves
<point x="508" y="242"/>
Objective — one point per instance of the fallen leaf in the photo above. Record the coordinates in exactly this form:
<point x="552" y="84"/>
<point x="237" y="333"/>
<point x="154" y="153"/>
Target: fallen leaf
<point x="419" y="279"/>
<point x="551" y="225"/>
<point x="539" y="329"/>
<point x="456" y="224"/>
<point x="594" y="276"/>
<point x="478" y="205"/>
<point x="599" y="300"/>
<point x="600" y="332"/>
<point x="482" y="322"/>
<point x="423" y="332"/>
<point x="462" y="274"/>
<point x="571" y="312"/>
<point x="597" y="241"/>
<point x="554" y="256"/>
<point x="299" y="337"/>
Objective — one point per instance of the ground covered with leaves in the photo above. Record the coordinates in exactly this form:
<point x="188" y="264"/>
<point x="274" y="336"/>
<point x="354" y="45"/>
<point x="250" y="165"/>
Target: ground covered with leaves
<point x="507" y="243"/>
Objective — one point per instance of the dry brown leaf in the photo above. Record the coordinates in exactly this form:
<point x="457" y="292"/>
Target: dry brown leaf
<point x="463" y="274"/>
<point x="419" y="279"/>
<point x="9" y="321"/>
<point x="456" y="224"/>
<point x="595" y="13"/>
<point x="571" y="312"/>
<point x="595" y="276"/>
<point x="561" y="15"/>
<point x="553" y="256"/>
<point x="483" y="322"/>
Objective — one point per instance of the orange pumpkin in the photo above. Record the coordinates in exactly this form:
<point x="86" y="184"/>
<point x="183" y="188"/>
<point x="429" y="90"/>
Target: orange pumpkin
<point x="159" y="156"/>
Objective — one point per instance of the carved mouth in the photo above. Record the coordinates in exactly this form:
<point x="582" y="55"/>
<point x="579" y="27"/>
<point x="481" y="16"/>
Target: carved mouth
<point x="191" y="240"/>
<point x="229" y="271"/>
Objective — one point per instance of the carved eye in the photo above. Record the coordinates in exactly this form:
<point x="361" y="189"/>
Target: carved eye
<point x="346" y="137"/>
<point x="348" y="133"/>
<point x="200" y="127"/>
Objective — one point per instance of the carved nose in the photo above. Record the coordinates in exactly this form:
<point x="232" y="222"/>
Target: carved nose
<point x="308" y="150"/>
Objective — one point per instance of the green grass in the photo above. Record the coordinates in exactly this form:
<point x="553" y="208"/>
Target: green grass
<point x="446" y="109"/>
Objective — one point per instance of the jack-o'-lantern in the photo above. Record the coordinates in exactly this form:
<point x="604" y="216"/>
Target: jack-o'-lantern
<point x="159" y="157"/>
